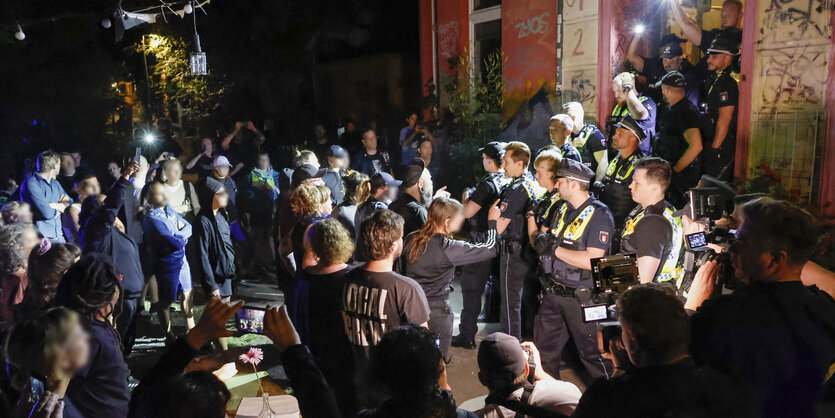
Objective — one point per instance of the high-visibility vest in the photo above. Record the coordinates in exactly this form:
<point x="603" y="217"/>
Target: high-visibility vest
<point x="670" y="270"/>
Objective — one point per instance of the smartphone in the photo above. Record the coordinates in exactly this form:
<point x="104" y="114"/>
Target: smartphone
<point x="250" y="320"/>
<point x="138" y="154"/>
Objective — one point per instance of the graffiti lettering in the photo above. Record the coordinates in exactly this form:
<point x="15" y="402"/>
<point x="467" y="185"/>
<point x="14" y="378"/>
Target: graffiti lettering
<point x="584" y="87"/>
<point x="577" y="50"/>
<point x="795" y="79"/>
<point x="448" y="40"/>
<point x="533" y="26"/>
<point x="800" y="15"/>
<point x="571" y="4"/>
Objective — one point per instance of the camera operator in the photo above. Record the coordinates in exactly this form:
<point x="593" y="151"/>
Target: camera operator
<point x="581" y="230"/>
<point x="774" y="333"/>
<point x="652" y="232"/>
<point x="665" y="380"/>
<point x="513" y="374"/>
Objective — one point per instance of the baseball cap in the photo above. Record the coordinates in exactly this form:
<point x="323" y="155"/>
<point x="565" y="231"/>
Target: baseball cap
<point x="380" y="180"/>
<point x="722" y="45"/>
<point x="494" y="150"/>
<point x="671" y="50"/>
<point x="672" y="79"/>
<point x="221" y="161"/>
<point x="499" y="351"/>
<point x="413" y="172"/>
<point x="337" y="151"/>
<point x="305" y="172"/>
<point x="574" y="170"/>
<point x="631" y="125"/>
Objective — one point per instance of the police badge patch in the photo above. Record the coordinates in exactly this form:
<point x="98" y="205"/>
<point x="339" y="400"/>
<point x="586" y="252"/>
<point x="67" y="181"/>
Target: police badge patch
<point x="604" y="237"/>
<point x="723" y="96"/>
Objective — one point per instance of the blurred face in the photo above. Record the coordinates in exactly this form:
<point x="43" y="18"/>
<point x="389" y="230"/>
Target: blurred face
<point x="76" y="350"/>
<point x="24" y="215"/>
<point x="643" y="191"/>
<point x="207" y="145"/>
<point x="76" y="156"/>
<point x="30" y="240"/>
<point x="425" y="150"/>
<point x="545" y="177"/>
<point x="577" y="118"/>
<point x="350" y="127"/>
<point x="369" y="140"/>
<point x="67" y="164"/>
<point x="156" y="196"/>
<point x="671" y="64"/>
<point x="513" y="168"/>
<point x="426" y="188"/>
<point x="718" y="61"/>
<point x="454" y="223"/>
<point x="222" y="172"/>
<point x="263" y="161"/>
<point x="320" y="131"/>
<point x="221" y="199"/>
<point x="327" y="207"/>
<point x="391" y="193"/>
<point x="173" y="172"/>
<point x="730" y="16"/>
<point x="88" y="187"/>
<point x="114" y="170"/>
<point x="412" y="120"/>
<point x="623" y="139"/>
<point x="617" y="89"/>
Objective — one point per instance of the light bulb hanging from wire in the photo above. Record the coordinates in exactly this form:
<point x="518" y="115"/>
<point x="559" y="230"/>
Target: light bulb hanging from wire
<point x="197" y="59"/>
<point x="19" y="35"/>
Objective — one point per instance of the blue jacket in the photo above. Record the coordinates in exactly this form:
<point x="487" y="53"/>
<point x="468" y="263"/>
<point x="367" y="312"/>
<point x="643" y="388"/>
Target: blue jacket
<point x="167" y="242"/>
<point x="39" y="193"/>
<point x="99" y="235"/>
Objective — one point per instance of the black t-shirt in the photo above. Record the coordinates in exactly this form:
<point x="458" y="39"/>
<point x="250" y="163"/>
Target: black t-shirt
<point x="722" y="90"/>
<point x="486" y="192"/>
<point x="414" y="214"/>
<point x="374" y="303"/>
<point x="588" y="141"/>
<point x="777" y="337"/>
<point x="669" y="142"/>
<point x="651" y="235"/>
<point x="654" y="71"/>
<point x="514" y="200"/>
<point x="333" y="179"/>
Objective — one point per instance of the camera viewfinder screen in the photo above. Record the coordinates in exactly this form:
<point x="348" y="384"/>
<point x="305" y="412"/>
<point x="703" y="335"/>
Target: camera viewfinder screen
<point x="697" y="240"/>
<point x="595" y="313"/>
<point x="250" y="320"/>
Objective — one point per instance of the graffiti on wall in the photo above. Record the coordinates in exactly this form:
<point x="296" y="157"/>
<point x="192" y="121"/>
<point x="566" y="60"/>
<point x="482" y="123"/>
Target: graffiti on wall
<point x="448" y="34"/>
<point x="793" y="77"/>
<point x="796" y="19"/>
<point x="584" y="85"/>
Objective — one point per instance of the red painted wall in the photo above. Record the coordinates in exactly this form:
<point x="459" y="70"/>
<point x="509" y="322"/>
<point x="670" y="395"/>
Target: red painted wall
<point x="426" y="73"/>
<point x="453" y="33"/>
<point x="529" y="41"/>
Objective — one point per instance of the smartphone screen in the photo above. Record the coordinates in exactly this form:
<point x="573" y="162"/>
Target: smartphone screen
<point x="250" y="320"/>
<point x="137" y="155"/>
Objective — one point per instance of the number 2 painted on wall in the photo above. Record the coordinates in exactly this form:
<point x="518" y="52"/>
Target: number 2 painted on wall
<point x="576" y="50"/>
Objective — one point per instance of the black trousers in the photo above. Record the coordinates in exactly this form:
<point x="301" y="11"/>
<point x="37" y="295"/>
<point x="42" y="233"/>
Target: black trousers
<point x="513" y="268"/>
<point x="560" y="319"/>
<point x="441" y="319"/>
<point x="126" y="322"/>
<point x="473" y="279"/>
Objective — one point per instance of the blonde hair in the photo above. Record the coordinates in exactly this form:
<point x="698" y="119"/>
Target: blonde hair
<point x="34" y="343"/>
<point x="440" y="210"/>
<point x="330" y="241"/>
<point x="307" y="200"/>
<point x="357" y="188"/>
<point x="552" y="160"/>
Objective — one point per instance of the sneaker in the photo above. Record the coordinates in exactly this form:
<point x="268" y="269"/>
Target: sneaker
<point x="463" y="341"/>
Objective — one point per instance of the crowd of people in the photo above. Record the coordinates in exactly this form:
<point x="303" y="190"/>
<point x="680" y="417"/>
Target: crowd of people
<point x="365" y="249"/>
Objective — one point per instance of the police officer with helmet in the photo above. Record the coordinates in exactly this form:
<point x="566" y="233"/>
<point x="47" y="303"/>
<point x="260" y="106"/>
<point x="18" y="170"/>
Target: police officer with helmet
<point x="652" y="232"/>
<point x="581" y="230"/>
<point x="474" y="276"/>
<point x="719" y="119"/>
<point x="615" y="186"/>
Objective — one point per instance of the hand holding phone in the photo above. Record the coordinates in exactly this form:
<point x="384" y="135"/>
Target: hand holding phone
<point x="138" y="154"/>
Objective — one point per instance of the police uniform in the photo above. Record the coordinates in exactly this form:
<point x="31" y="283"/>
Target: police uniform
<point x="648" y="125"/>
<point x="722" y="89"/>
<point x="669" y="143"/>
<point x="568" y="151"/>
<point x="654" y="71"/>
<point x="588" y="141"/>
<point x="656" y="232"/>
<point x="560" y="315"/>
<point x="513" y="266"/>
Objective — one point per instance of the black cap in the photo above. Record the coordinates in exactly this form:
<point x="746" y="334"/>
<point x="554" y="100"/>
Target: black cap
<point x="631" y="125"/>
<point x="722" y="45"/>
<point x="499" y="351"/>
<point x="381" y="180"/>
<point x="305" y="172"/>
<point x="412" y="173"/>
<point x="574" y="170"/>
<point x="494" y="150"/>
<point x="337" y="151"/>
<point x="671" y="50"/>
<point x="672" y="79"/>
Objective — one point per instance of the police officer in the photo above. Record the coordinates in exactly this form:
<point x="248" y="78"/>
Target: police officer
<point x="589" y="141"/>
<point x="474" y="276"/>
<point x="719" y="124"/>
<point x="615" y="186"/>
<point x="559" y="131"/>
<point x="546" y="165"/>
<point x="629" y="102"/>
<point x="670" y="58"/>
<point x="678" y="139"/>
<point x="652" y="232"/>
<point x="581" y="230"/>
<point x="512" y="227"/>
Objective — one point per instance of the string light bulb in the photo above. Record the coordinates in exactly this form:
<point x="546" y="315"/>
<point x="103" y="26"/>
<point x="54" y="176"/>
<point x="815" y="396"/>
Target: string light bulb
<point x="19" y="35"/>
<point x="188" y="9"/>
<point x="105" y="23"/>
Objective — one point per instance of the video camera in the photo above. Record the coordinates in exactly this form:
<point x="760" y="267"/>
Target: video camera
<point x="611" y="276"/>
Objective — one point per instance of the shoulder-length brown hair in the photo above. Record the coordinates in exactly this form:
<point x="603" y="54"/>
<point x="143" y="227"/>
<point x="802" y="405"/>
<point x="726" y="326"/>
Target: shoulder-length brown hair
<point x="440" y="210"/>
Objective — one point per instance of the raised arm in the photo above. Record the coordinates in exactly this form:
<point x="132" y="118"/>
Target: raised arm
<point x="632" y="56"/>
<point x="691" y="31"/>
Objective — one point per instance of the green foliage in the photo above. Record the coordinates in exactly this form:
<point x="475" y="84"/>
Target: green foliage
<point x="173" y="82"/>
<point x="475" y="101"/>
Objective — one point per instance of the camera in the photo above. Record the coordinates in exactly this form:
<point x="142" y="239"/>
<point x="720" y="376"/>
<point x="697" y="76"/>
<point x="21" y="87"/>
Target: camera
<point x="611" y="276"/>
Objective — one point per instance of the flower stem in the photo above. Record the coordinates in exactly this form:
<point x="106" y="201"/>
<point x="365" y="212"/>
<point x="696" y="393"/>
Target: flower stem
<point x="258" y="379"/>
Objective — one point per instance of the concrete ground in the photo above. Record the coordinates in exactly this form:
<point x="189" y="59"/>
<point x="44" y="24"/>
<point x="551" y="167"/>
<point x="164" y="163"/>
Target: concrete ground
<point x="462" y="370"/>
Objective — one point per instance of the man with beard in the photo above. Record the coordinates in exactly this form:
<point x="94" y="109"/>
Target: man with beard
<point x="417" y="195"/>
